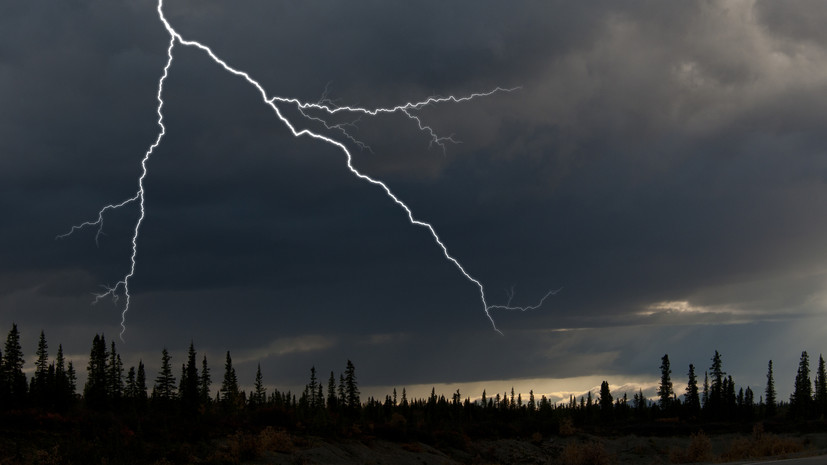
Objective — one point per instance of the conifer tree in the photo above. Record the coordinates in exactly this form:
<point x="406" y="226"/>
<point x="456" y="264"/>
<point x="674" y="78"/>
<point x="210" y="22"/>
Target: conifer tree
<point x="14" y="379"/>
<point x="71" y="378"/>
<point x="638" y="400"/>
<point x="229" y="387"/>
<point x="164" y="388"/>
<point x="342" y="392"/>
<point x="705" y="396"/>
<point x="331" y="392"/>
<point x="716" y="389"/>
<point x="260" y="393"/>
<point x="351" y="387"/>
<point x="131" y="389"/>
<point x="821" y="387"/>
<point x="749" y="404"/>
<point x="606" y="401"/>
<point x="140" y="383"/>
<point x="63" y="394"/>
<point x="204" y="382"/>
<point x="770" y="399"/>
<point x="51" y="394"/>
<point x="114" y="370"/>
<point x="189" y="392"/>
<point x="40" y="383"/>
<point x="693" y="401"/>
<point x="95" y="392"/>
<point x="802" y="396"/>
<point x="730" y="399"/>
<point x="312" y="388"/>
<point x="665" y="391"/>
<point x="749" y="397"/>
<point x="319" y="396"/>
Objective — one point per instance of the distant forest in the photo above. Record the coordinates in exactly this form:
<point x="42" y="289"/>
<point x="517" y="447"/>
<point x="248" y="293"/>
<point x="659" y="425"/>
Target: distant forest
<point x="120" y="411"/>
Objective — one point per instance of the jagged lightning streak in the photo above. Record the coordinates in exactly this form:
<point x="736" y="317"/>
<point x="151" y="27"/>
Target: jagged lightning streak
<point x="139" y="197"/>
<point x="323" y="105"/>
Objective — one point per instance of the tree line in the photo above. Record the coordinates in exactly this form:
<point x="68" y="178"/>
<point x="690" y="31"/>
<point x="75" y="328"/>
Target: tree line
<point x="324" y="405"/>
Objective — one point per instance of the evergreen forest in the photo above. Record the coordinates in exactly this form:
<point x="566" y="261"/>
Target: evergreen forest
<point x="186" y="413"/>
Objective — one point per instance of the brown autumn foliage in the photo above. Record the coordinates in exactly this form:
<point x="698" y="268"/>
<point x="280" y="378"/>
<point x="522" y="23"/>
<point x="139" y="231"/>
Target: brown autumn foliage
<point x="698" y="450"/>
<point x="761" y="444"/>
<point x="589" y="453"/>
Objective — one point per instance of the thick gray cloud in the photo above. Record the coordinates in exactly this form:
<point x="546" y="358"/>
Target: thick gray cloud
<point x="663" y="164"/>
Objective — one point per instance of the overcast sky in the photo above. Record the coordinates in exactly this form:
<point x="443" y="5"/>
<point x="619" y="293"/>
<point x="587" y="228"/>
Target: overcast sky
<point x="664" y="164"/>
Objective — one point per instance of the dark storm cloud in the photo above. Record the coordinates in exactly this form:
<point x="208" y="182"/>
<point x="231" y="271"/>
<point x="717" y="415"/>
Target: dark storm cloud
<point x="664" y="164"/>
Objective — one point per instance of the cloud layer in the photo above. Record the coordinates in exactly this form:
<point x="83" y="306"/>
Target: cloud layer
<point x="663" y="164"/>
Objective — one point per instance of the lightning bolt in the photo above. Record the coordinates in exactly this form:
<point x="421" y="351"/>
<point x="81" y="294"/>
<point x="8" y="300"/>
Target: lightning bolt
<point x="308" y="110"/>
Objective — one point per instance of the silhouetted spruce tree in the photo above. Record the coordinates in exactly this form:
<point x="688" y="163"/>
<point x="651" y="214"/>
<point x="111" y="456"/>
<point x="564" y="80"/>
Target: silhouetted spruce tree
<point x="12" y="370"/>
<point x="71" y="378"/>
<point x="606" y="401"/>
<point x="342" y="392"/>
<point x="40" y="388"/>
<point x="665" y="391"/>
<point x="802" y="396"/>
<point x="320" y="396"/>
<point x="114" y="370"/>
<point x="748" y="410"/>
<point x="130" y="389"/>
<point x="705" y="395"/>
<point x="95" y="391"/>
<point x="589" y="404"/>
<point x="229" y="387"/>
<point x="190" y="396"/>
<point x="821" y="387"/>
<point x="730" y="399"/>
<point x="331" y="392"/>
<point x="204" y="382"/>
<point x="312" y="388"/>
<point x="770" y="393"/>
<point x="715" y="402"/>
<point x="63" y="392"/>
<point x="260" y="393"/>
<point x="140" y="384"/>
<point x="51" y="394"/>
<point x="639" y="404"/>
<point x="692" y="401"/>
<point x="181" y="379"/>
<point x="164" y="389"/>
<point x="545" y="407"/>
<point x="351" y="387"/>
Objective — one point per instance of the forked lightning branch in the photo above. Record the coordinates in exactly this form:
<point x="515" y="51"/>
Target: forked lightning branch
<point x="311" y="112"/>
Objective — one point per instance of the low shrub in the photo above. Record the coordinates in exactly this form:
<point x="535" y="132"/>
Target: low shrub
<point x="698" y="450"/>
<point x="590" y="453"/>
